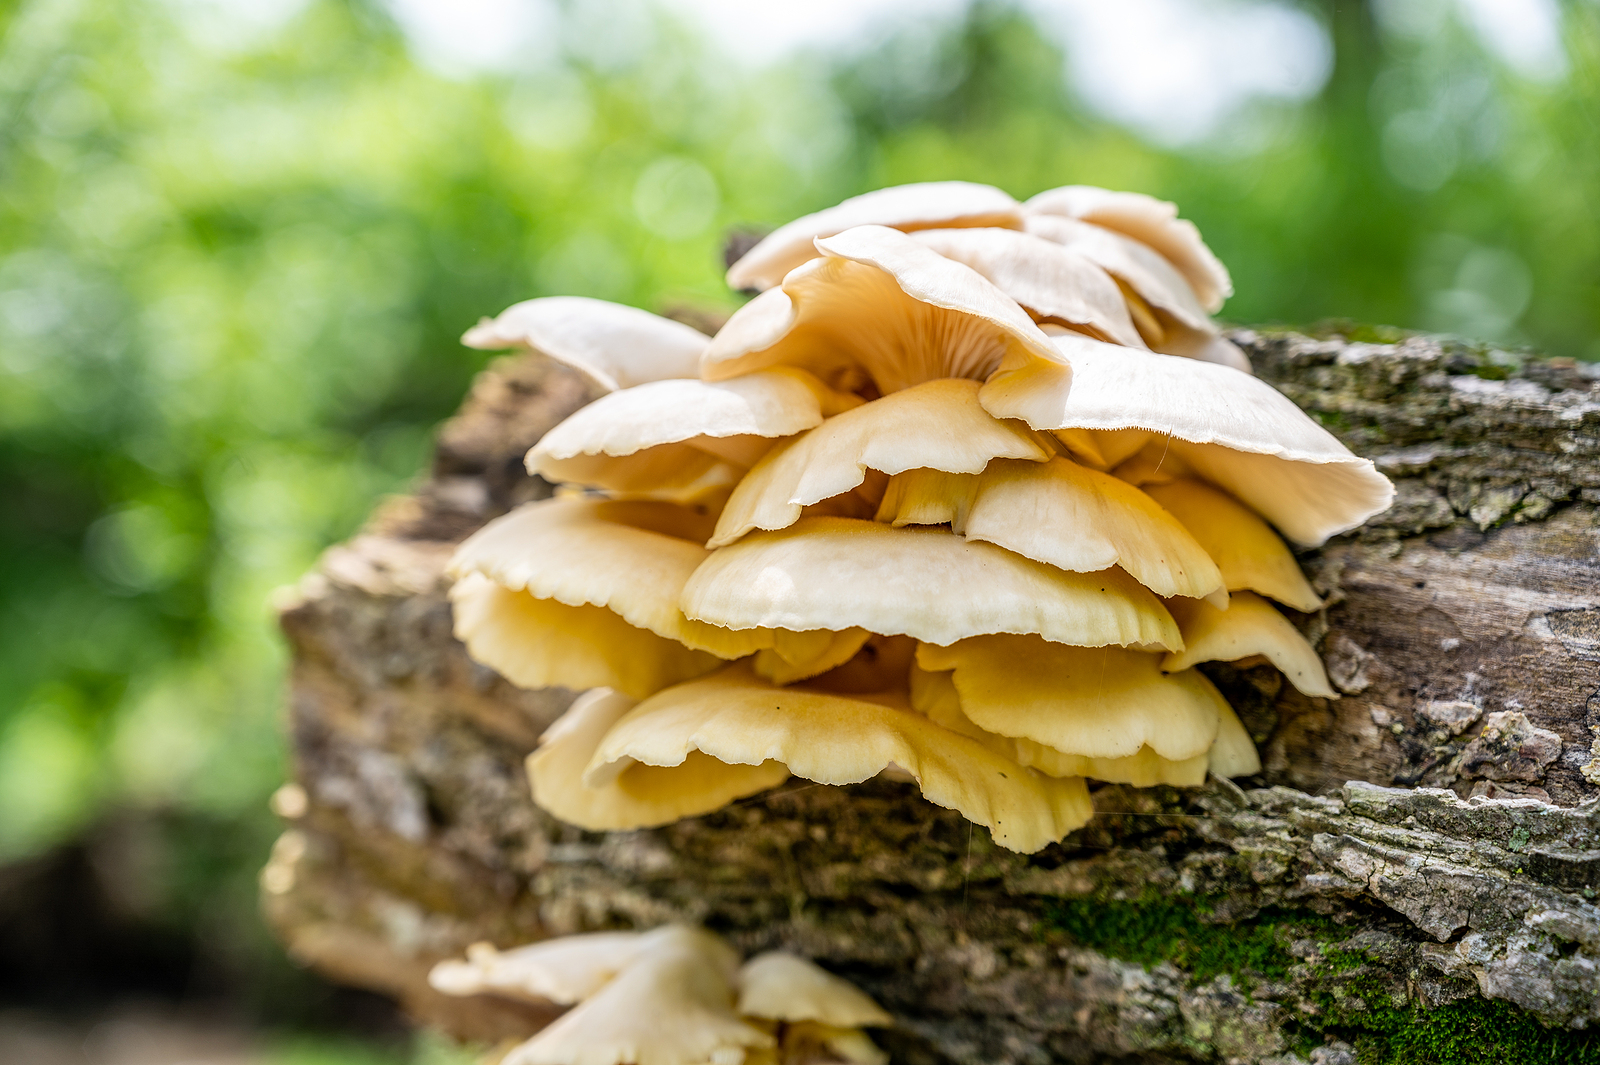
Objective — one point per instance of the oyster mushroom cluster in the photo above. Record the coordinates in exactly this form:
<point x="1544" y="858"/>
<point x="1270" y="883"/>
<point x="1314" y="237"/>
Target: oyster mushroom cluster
<point x="965" y="492"/>
<point x="673" y="996"/>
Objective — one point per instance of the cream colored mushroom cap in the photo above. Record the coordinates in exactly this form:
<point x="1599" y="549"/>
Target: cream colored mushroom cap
<point x="564" y="970"/>
<point x="634" y="796"/>
<point x="1063" y="514"/>
<point x="1055" y="283"/>
<point x="735" y="717"/>
<point x="1234" y="754"/>
<point x="700" y="422"/>
<point x="879" y="308"/>
<point x="1246" y="550"/>
<point x="835" y="573"/>
<point x="1250" y="626"/>
<point x="779" y="986"/>
<point x="1149" y="221"/>
<point x="904" y="207"/>
<point x="1143" y="269"/>
<point x="615" y="346"/>
<point x="1097" y="702"/>
<point x="671" y="1006"/>
<point x="541" y="643"/>
<point x="937" y="424"/>
<point x="1235" y="430"/>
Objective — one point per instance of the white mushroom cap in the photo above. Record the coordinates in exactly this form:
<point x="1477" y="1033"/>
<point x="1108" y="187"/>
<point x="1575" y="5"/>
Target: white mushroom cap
<point x="542" y="643"/>
<point x="1250" y="626"/>
<point x="564" y="970"/>
<point x="735" y="717"/>
<point x="1140" y="267"/>
<point x="1149" y="221"/>
<point x="883" y="311"/>
<point x="673" y="1005"/>
<point x="634" y="796"/>
<point x="1055" y="283"/>
<point x="905" y="207"/>
<point x="835" y="573"/>
<point x="615" y="346"/>
<point x="1246" y="550"/>
<point x="937" y="424"/>
<point x="1063" y="514"/>
<point x="1097" y="702"/>
<point x="779" y="986"/>
<point x="1235" y="431"/>
<point x="672" y="432"/>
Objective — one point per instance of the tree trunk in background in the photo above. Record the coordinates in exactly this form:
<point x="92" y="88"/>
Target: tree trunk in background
<point x="1415" y="870"/>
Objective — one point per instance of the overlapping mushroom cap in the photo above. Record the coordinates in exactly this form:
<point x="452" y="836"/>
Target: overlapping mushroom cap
<point x="940" y="501"/>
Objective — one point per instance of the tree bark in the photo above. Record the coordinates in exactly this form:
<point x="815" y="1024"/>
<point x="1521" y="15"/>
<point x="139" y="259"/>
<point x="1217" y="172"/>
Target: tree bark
<point x="1418" y="860"/>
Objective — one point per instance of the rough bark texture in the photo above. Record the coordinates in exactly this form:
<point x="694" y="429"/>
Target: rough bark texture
<point x="1417" y="864"/>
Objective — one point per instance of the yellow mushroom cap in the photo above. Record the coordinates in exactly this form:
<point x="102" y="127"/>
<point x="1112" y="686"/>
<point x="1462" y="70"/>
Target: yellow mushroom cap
<point x="937" y="424"/>
<point x="879" y="310"/>
<point x="1055" y="283"/>
<point x="904" y="207"/>
<point x="1234" y="754"/>
<point x="835" y="573"/>
<point x="1063" y="514"/>
<point x="1250" y="626"/>
<point x="779" y="986"/>
<point x="635" y="795"/>
<point x="1098" y="702"/>
<point x="737" y="718"/>
<point x="1150" y="221"/>
<point x="615" y="346"/>
<point x="1234" y="430"/>
<point x="1246" y="550"/>
<point x="673" y="1005"/>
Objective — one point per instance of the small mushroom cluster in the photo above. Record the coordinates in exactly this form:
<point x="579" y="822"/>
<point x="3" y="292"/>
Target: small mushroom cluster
<point x="673" y="996"/>
<point x="965" y="492"/>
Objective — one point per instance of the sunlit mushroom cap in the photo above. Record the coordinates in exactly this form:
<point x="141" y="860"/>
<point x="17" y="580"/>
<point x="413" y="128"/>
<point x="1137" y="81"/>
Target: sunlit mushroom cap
<point x="879" y="310"/>
<point x="1061" y="513"/>
<point x="736" y="717"/>
<point x="1149" y="221"/>
<point x="1054" y="283"/>
<point x="1250" y="626"/>
<point x="615" y="346"/>
<point x="1246" y="550"/>
<point x="564" y="970"/>
<point x="541" y="643"/>
<point x="937" y="424"/>
<point x="673" y="1005"/>
<point x="672" y="433"/>
<point x="924" y="205"/>
<point x="1234" y="430"/>
<point x="633" y="795"/>
<point x="779" y="986"/>
<point x="1098" y="702"/>
<point x="834" y="573"/>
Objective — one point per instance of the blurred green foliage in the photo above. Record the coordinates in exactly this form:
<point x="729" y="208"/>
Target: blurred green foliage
<point x="234" y="265"/>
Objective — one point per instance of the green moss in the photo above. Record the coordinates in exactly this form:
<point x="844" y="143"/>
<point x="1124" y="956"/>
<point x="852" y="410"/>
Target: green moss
<point x="1357" y="332"/>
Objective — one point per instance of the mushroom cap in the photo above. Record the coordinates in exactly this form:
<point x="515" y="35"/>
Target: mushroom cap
<point x="779" y="986"/>
<point x="736" y="717"/>
<point x="613" y="345"/>
<point x="564" y="970"/>
<point x="1234" y="430"/>
<point x="904" y="207"/>
<point x="834" y="573"/>
<point x="937" y="424"/>
<point x="881" y="310"/>
<point x="1149" y="221"/>
<point x="1140" y="267"/>
<point x="665" y="431"/>
<point x="673" y="1005"/>
<point x="1250" y="626"/>
<point x="934" y="694"/>
<point x="541" y="643"/>
<point x="1246" y="550"/>
<point x="626" y="556"/>
<point x="1063" y="514"/>
<point x="1054" y="283"/>
<point x="1097" y="702"/>
<point x="772" y="664"/>
<point x="635" y="796"/>
<point x="1234" y="754"/>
